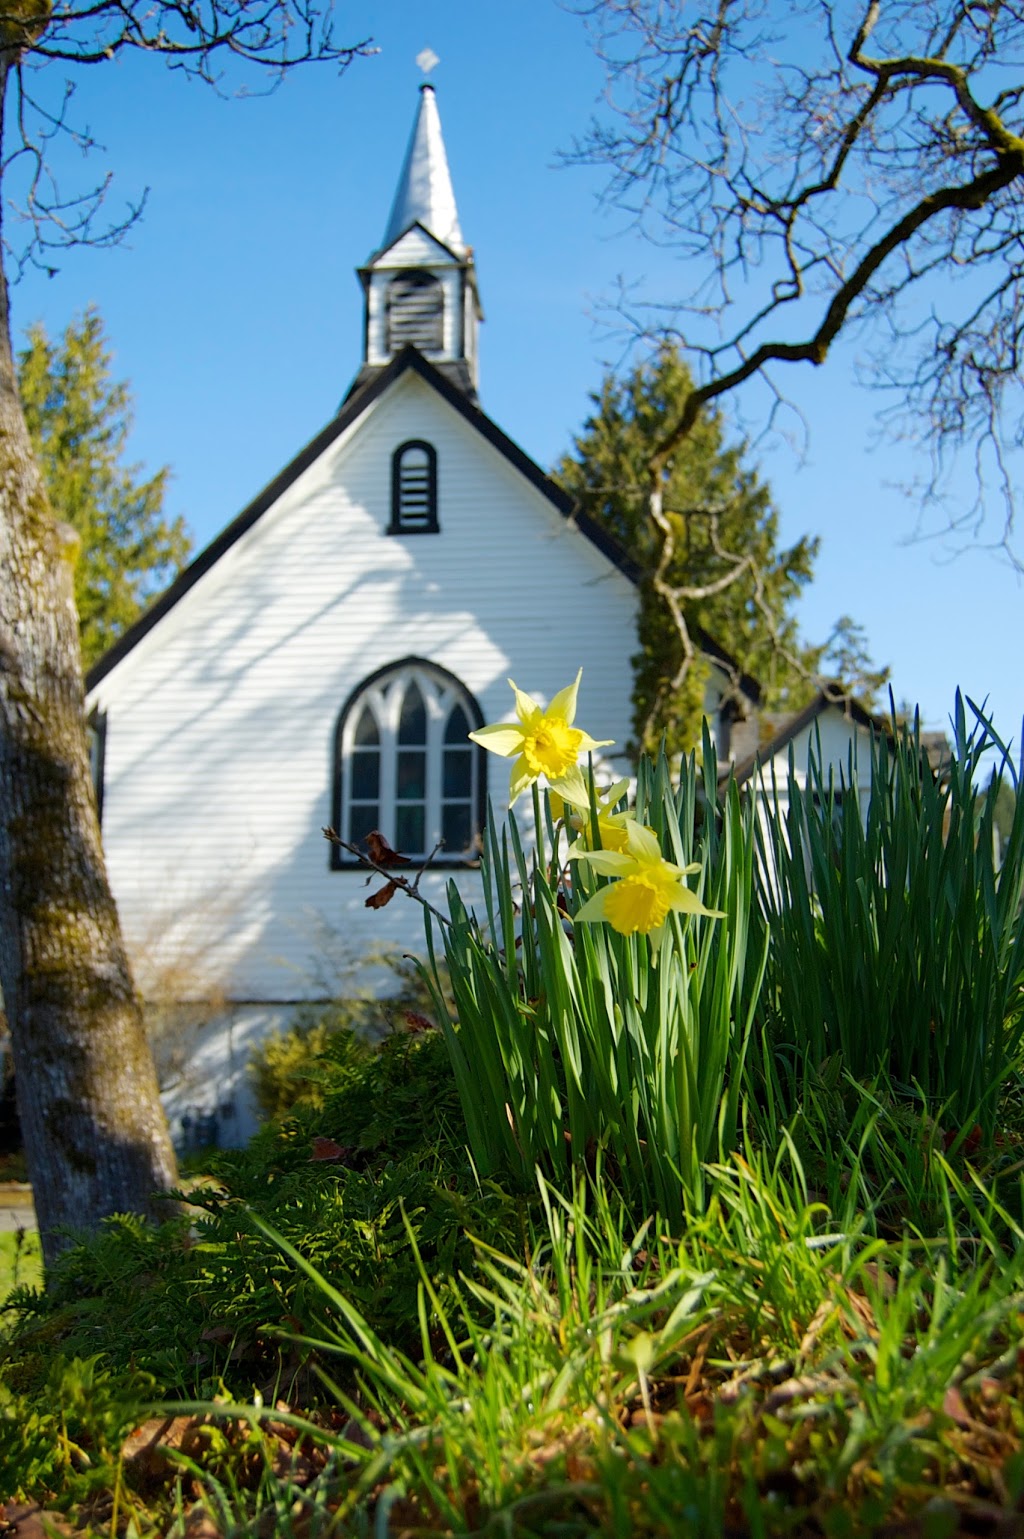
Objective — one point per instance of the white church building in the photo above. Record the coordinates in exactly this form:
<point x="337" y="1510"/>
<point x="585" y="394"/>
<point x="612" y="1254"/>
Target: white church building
<point x="321" y="662"/>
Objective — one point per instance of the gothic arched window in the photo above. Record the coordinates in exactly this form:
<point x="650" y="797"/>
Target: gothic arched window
<point x="404" y="765"/>
<point x="414" y="489"/>
<point x="415" y="312"/>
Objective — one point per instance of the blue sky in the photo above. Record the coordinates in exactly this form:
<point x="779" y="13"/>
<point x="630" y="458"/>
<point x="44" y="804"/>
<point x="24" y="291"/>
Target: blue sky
<point x="233" y="309"/>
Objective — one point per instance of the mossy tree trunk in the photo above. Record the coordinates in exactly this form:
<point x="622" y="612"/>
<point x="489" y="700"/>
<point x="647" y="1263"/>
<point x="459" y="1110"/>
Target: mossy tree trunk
<point x="96" y="1139"/>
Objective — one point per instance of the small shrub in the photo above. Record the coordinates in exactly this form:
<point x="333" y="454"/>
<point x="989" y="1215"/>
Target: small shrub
<point x="197" y="1302"/>
<point x="329" y="1044"/>
<point x="290" y="1070"/>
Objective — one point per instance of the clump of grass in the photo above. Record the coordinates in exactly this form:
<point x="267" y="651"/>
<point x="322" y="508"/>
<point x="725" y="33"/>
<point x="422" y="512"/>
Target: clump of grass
<point x="897" y="944"/>
<point x="565" y="1045"/>
<point x="762" y="1372"/>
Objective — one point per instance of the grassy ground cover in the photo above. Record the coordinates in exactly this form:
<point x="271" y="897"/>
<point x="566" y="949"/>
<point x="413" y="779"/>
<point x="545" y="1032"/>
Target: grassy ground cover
<point x="20" y="1261"/>
<point x="647" y="1237"/>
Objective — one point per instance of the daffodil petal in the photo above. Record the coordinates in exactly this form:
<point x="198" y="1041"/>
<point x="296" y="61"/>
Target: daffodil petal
<point x="687" y="902"/>
<point x="613" y="830"/>
<point x="504" y="738"/>
<point x="572" y="788"/>
<point x="593" y="909"/>
<point x="608" y="862"/>
<point x="588" y="743"/>
<point x="527" y="708"/>
<point x="521" y="777"/>
<point x="642" y="843"/>
<point x="564" y="703"/>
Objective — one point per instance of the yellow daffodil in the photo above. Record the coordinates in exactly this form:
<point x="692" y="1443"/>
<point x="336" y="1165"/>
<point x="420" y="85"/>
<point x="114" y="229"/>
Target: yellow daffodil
<point x="574" y="807"/>
<point x="543" y="742"/>
<point x="647" y="886"/>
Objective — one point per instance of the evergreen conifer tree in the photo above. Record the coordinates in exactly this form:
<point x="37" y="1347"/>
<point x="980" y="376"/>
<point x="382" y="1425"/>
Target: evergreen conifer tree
<point x="734" y="581"/>
<point x="79" y="420"/>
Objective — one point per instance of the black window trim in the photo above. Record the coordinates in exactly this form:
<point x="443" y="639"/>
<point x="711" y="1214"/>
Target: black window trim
<point x="397" y="526"/>
<point x="341" y="860"/>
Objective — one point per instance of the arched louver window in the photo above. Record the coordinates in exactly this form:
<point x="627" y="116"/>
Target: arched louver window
<point x="414" y="489"/>
<point x="415" y="308"/>
<point x="404" y="765"/>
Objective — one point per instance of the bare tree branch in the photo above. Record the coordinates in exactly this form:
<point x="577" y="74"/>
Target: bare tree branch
<point x="210" y="40"/>
<point x="826" y="164"/>
<point x="825" y="168"/>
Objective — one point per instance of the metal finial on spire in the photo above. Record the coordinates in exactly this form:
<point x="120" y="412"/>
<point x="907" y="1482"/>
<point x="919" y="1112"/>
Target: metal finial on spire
<point x="427" y="60"/>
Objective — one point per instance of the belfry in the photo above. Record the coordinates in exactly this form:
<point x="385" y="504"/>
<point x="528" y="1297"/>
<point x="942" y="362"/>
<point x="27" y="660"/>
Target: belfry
<point x="420" y="286"/>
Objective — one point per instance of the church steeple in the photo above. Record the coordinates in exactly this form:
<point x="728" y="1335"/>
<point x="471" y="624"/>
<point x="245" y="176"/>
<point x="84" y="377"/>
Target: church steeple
<point x="425" y="194"/>
<point x="420" y="286"/>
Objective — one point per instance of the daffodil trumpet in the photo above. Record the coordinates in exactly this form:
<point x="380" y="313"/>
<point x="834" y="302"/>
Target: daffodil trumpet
<point x="645" y="888"/>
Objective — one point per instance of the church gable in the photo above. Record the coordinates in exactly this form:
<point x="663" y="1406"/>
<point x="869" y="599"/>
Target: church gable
<point x="416" y="248"/>
<point x="372" y="470"/>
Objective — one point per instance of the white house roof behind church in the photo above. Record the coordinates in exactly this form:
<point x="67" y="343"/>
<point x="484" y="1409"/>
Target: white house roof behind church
<point x="425" y="195"/>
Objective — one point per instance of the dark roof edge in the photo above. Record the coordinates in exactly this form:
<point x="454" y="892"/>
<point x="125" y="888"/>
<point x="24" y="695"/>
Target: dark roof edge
<point x="350" y="410"/>
<point x="222" y="542"/>
<point x="417" y="224"/>
<point x="829" y="695"/>
<point x="745" y="681"/>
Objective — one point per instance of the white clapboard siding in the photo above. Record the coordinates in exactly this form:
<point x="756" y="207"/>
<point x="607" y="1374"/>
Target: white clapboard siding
<point x="830" y="740"/>
<point x="221" y="719"/>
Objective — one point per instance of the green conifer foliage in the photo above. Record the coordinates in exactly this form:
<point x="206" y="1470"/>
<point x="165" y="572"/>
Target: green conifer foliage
<point x="752" y="617"/>
<point x="79" y="420"/>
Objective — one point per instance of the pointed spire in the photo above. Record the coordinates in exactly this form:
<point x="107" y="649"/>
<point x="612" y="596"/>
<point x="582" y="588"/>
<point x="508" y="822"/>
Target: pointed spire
<point x="425" y="192"/>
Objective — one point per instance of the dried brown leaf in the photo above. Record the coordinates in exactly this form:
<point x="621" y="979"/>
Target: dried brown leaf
<point x="380" y="851"/>
<point x="417" y="1022"/>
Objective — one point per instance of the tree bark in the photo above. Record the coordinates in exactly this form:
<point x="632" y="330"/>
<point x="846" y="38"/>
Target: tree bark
<point x="95" y="1135"/>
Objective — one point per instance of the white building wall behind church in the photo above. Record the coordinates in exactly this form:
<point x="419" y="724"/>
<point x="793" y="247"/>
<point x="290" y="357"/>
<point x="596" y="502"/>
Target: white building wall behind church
<point x="834" y="743"/>
<point x="221" y="720"/>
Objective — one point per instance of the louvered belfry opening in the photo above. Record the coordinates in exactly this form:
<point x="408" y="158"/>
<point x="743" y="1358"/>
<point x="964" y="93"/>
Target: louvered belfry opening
<point x="414" y="489"/>
<point x="416" y="312"/>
